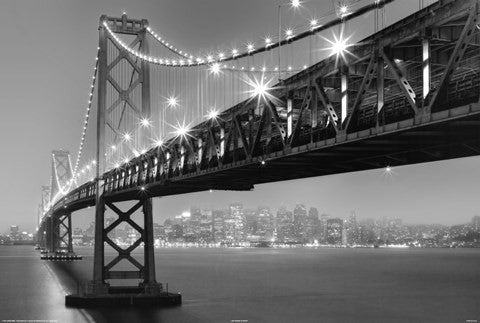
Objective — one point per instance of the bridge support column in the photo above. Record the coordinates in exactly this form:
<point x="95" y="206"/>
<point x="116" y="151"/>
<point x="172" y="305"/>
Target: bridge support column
<point x="49" y="240"/>
<point x="98" y="285"/>
<point x="149" y="283"/>
<point x="58" y="236"/>
<point x="145" y="271"/>
<point x="63" y="233"/>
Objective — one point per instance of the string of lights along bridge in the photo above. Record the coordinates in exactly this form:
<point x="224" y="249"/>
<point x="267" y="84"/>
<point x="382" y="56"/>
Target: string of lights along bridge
<point x="305" y="102"/>
<point x="187" y="89"/>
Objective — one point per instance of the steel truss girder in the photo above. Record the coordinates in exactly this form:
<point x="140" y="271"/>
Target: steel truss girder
<point x="307" y="98"/>
<point x="364" y="87"/>
<point x="401" y="81"/>
<point x="332" y="115"/>
<point x="457" y="54"/>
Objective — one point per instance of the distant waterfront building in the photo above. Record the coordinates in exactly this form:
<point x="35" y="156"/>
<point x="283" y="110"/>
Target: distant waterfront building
<point x="159" y="232"/>
<point x="284" y="225"/>
<point x="300" y="222"/>
<point x="476" y="223"/>
<point x="218" y="225"/>
<point x="235" y="223"/>
<point x="14" y="233"/>
<point x="334" y="231"/>
<point x="351" y="229"/>
<point x="264" y="220"/>
<point x="312" y="229"/>
<point x="323" y="228"/>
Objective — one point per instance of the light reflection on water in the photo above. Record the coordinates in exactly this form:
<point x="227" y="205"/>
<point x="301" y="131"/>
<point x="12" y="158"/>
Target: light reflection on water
<point x="266" y="285"/>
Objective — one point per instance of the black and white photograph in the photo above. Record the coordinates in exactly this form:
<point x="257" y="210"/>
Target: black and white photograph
<point x="240" y="161"/>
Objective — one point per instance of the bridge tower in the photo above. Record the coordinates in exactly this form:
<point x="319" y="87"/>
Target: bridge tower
<point x="122" y="101"/>
<point x="55" y="234"/>
<point x="62" y="172"/>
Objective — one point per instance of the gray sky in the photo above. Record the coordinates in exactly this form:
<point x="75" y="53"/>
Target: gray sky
<point x="46" y="60"/>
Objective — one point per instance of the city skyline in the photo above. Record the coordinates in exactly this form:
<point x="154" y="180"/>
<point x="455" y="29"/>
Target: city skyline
<point x="444" y="192"/>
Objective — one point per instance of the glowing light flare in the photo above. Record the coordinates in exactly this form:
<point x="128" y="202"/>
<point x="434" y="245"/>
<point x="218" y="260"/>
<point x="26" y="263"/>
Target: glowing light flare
<point x="339" y="46"/>
<point x="212" y="114"/>
<point x="343" y="10"/>
<point x="182" y="130"/>
<point x="289" y="33"/>
<point x="250" y="47"/>
<point x="260" y="88"/>
<point x="127" y="137"/>
<point x="145" y="122"/>
<point x="215" y="69"/>
<point x="172" y="102"/>
<point x="388" y="173"/>
<point x="295" y="3"/>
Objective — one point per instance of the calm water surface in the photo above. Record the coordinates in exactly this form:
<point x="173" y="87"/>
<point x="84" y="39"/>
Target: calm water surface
<point x="263" y="285"/>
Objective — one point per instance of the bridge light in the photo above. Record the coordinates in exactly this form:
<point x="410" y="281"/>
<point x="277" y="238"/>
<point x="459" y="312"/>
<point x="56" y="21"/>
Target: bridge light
<point x="159" y="142"/>
<point x="388" y="169"/>
<point x="117" y="165"/>
<point x="343" y="10"/>
<point x="260" y="88"/>
<point x="126" y="160"/>
<point x="215" y="69"/>
<point x="250" y="47"/>
<point x="182" y="130"/>
<point x="313" y="23"/>
<point x="339" y="46"/>
<point x="289" y="33"/>
<point x="221" y="55"/>
<point x="295" y="3"/>
<point x="172" y="102"/>
<point x="127" y="137"/>
<point x="234" y="52"/>
<point x="212" y="114"/>
<point x="145" y="122"/>
<point x="268" y="41"/>
<point x="113" y="147"/>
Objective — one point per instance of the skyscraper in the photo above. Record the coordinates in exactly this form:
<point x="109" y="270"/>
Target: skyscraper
<point x="334" y="231"/>
<point x="300" y="222"/>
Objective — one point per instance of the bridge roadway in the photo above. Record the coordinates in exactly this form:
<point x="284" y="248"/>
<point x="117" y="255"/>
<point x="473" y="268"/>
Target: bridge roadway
<point x="299" y="133"/>
<point x="453" y="133"/>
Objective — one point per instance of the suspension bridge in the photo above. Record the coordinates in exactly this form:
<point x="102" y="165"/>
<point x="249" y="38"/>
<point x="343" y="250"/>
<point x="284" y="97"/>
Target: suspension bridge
<point x="167" y="122"/>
